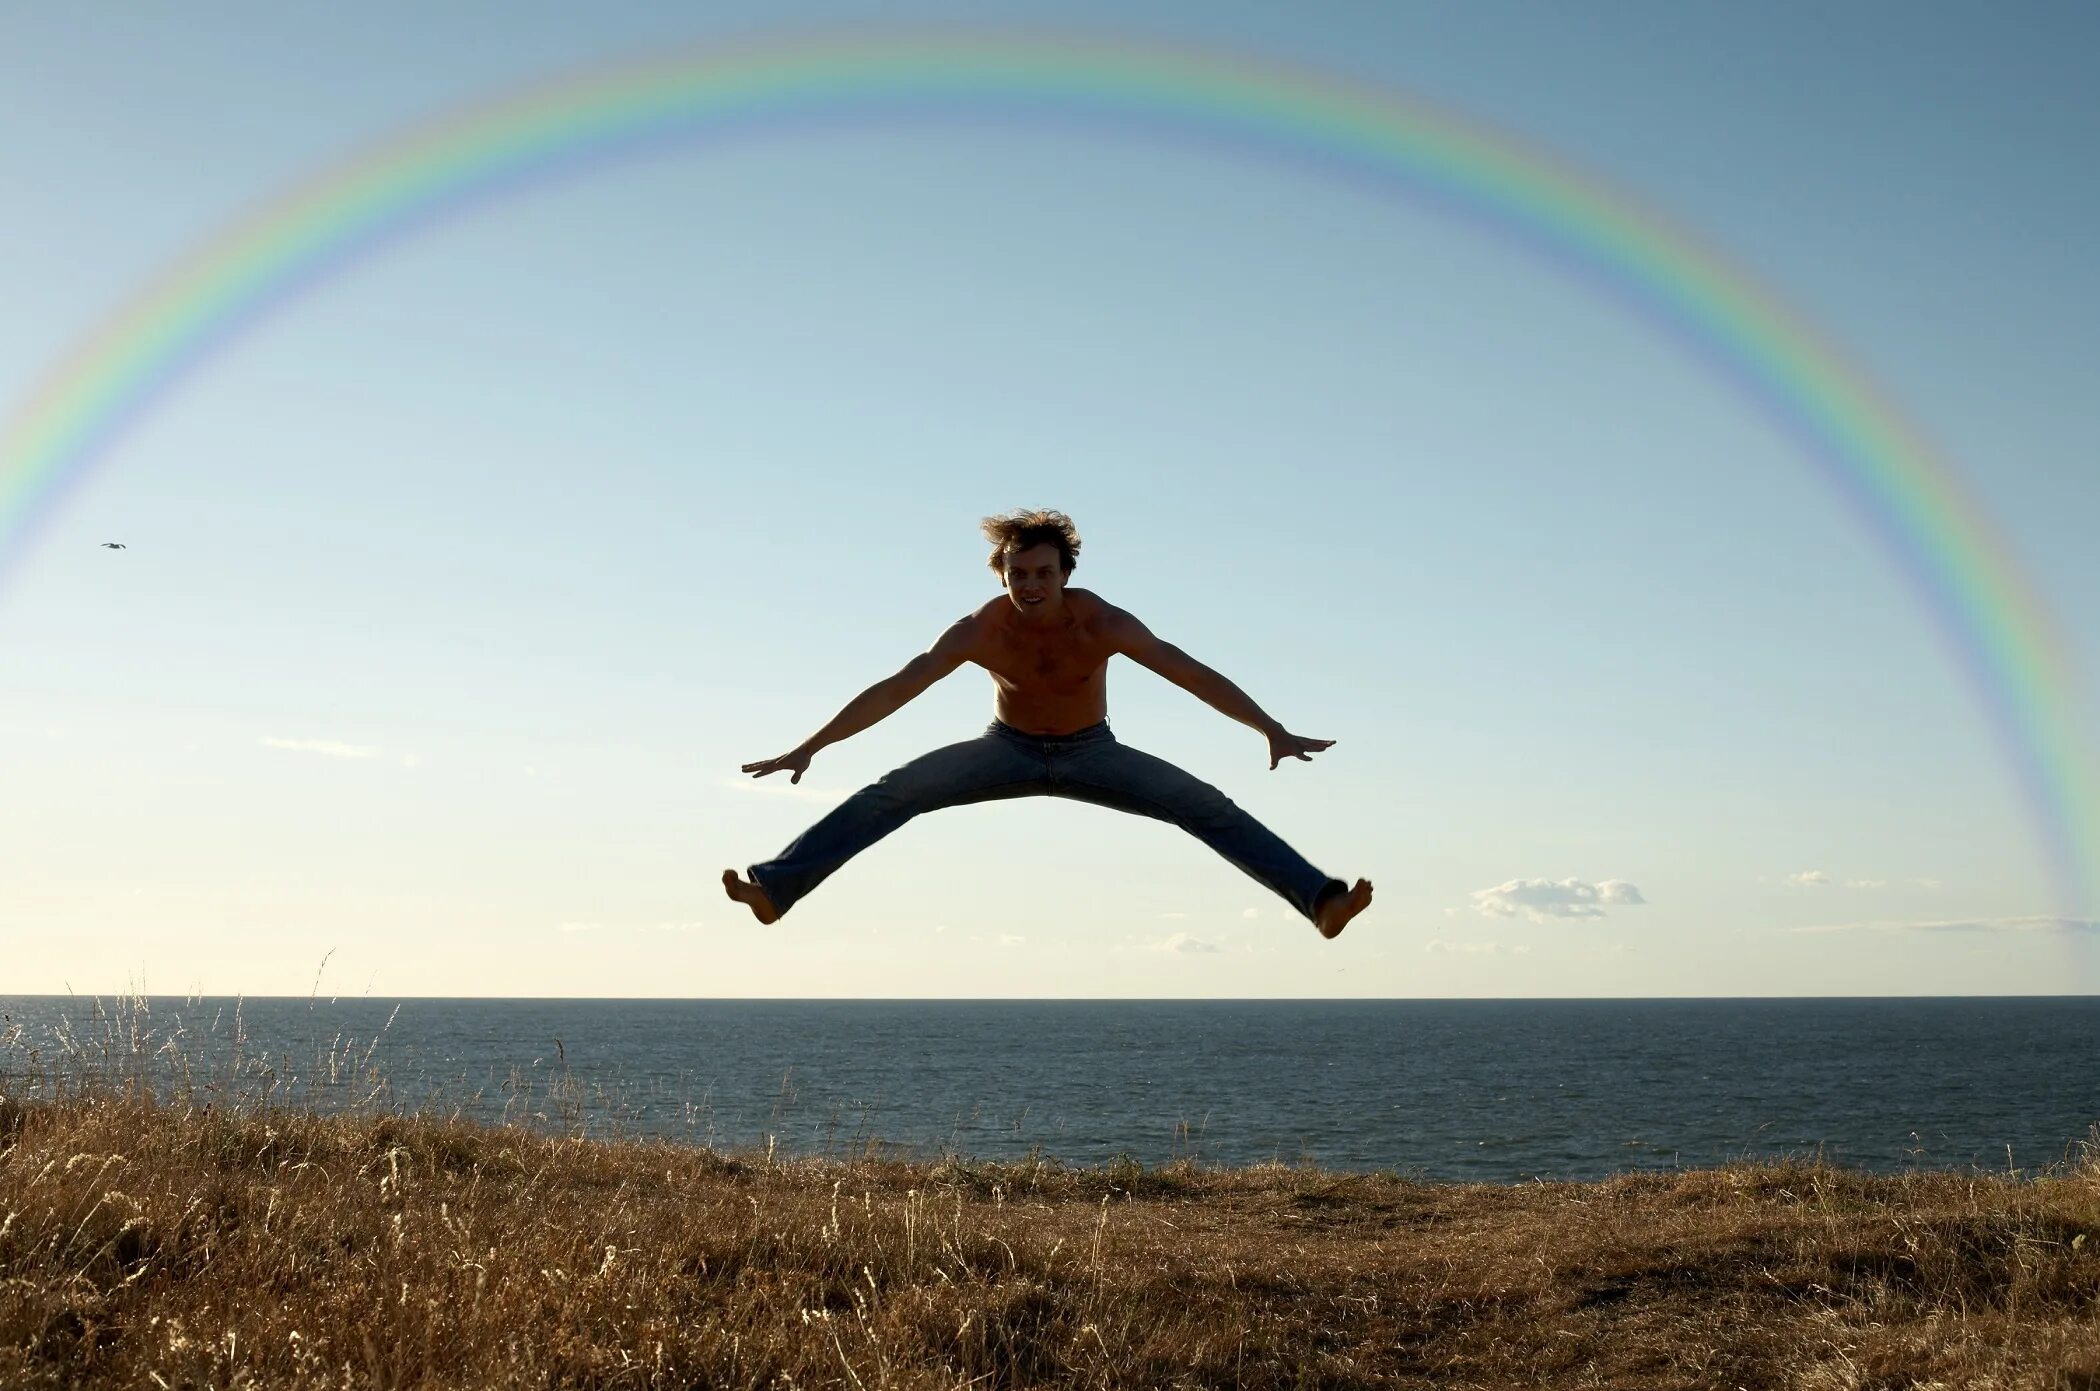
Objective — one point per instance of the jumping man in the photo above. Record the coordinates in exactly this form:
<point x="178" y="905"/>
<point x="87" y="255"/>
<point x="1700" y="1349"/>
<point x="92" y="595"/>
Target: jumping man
<point x="1047" y="649"/>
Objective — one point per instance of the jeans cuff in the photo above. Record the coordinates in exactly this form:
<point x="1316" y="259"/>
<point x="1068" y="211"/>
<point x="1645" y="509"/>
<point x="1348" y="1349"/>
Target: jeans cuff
<point x="772" y="894"/>
<point x="1332" y="886"/>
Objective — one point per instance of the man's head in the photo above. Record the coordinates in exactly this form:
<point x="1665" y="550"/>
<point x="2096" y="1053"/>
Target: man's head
<point x="1033" y="553"/>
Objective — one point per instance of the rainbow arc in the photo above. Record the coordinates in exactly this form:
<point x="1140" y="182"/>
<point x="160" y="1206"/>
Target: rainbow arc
<point x="1879" y="466"/>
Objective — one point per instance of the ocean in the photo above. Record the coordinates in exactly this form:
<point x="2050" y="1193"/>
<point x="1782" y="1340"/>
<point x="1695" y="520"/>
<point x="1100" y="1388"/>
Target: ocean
<point x="1473" y="1090"/>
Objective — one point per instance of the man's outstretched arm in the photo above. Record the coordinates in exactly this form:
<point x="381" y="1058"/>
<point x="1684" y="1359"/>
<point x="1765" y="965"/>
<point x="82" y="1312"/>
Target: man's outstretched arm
<point x="1135" y="641"/>
<point x="879" y="701"/>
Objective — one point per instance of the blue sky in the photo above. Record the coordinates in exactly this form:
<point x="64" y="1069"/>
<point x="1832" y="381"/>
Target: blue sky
<point x="459" y="587"/>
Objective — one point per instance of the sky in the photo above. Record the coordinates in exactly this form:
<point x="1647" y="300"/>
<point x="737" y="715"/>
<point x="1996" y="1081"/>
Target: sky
<point x="458" y="586"/>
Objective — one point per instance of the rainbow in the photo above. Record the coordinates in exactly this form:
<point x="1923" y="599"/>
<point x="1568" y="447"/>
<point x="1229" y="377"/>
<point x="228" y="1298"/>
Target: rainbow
<point x="1878" y="465"/>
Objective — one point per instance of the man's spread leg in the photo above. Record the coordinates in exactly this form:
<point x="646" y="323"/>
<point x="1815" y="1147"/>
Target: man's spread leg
<point x="1113" y="774"/>
<point x="983" y="769"/>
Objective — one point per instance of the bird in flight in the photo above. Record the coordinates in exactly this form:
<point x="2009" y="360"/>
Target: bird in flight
<point x="114" y="546"/>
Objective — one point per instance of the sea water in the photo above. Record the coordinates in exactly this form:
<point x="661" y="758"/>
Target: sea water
<point x="1471" y="1090"/>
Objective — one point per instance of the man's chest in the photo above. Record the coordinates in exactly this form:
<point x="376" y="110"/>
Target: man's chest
<point x="1062" y="661"/>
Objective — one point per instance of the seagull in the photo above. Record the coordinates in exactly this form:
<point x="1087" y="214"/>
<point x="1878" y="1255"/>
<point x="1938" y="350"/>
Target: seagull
<point x="113" y="546"/>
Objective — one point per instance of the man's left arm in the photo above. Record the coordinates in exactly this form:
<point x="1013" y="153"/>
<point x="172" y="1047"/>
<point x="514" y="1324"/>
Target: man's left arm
<point x="1134" y="640"/>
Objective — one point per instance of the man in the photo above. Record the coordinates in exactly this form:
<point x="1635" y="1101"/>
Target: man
<point x="1047" y="649"/>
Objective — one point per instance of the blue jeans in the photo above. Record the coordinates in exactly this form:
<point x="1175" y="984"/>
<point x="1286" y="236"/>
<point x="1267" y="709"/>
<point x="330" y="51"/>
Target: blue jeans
<point x="1087" y="766"/>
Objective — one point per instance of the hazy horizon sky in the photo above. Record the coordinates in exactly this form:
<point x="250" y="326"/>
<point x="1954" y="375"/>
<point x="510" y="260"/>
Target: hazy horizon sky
<point x="457" y="588"/>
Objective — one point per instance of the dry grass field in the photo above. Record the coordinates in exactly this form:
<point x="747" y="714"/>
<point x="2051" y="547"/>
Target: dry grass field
<point x="146" y="1244"/>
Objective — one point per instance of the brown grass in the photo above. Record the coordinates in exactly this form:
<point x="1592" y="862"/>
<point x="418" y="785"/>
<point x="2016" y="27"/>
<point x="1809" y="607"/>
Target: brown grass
<point x="146" y="1244"/>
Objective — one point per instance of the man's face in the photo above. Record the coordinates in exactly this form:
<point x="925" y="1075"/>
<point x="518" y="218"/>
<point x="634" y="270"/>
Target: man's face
<point x="1035" y="580"/>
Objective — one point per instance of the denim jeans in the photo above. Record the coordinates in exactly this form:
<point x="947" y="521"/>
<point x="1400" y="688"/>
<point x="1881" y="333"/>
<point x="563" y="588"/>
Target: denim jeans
<point x="1002" y="762"/>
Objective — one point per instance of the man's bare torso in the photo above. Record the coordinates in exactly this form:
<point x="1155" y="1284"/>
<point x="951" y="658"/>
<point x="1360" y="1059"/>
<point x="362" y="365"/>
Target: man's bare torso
<point x="1052" y="677"/>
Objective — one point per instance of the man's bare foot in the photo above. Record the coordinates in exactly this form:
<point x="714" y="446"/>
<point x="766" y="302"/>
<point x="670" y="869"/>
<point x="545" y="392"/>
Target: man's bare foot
<point x="753" y="897"/>
<point x="1333" y="912"/>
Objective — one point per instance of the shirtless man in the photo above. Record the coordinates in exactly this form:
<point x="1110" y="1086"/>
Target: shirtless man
<point x="1047" y="648"/>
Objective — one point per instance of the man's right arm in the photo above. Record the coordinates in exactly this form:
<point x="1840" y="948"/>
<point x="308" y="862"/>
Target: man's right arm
<point x="893" y="692"/>
<point x="883" y="699"/>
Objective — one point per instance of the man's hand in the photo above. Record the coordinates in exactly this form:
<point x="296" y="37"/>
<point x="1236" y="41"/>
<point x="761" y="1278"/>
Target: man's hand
<point x="1283" y="744"/>
<point x="795" y="761"/>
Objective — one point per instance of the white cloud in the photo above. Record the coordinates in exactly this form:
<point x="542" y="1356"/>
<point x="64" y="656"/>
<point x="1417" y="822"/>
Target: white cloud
<point x="1866" y="883"/>
<point x="1173" y="915"/>
<point x="693" y="926"/>
<point x="1543" y="900"/>
<point x="1926" y="883"/>
<point x="328" y="748"/>
<point x="1251" y="913"/>
<point x="1009" y="939"/>
<point x="776" y="786"/>
<point x="1808" y="878"/>
<point x="1437" y="946"/>
<point x="2013" y="924"/>
<point x="1183" y="942"/>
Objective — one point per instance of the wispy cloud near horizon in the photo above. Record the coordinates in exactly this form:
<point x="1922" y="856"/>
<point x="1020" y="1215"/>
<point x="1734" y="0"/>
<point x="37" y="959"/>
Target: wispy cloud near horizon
<point x="1437" y="946"/>
<point x="327" y="748"/>
<point x="1543" y="900"/>
<point x="2030" y="923"/>
<point x="1183" y="943"/>
<point x="781" y="787"/>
